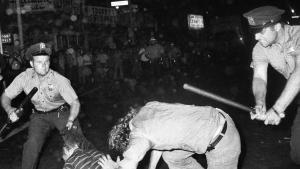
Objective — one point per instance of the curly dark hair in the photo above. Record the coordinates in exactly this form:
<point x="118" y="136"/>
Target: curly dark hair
<point x="119" y="135"/>
<point x="72" y="138"/>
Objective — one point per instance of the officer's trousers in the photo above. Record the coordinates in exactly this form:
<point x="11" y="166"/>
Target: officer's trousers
<point x="39" y="128"/>
<point x="295" y="137"/>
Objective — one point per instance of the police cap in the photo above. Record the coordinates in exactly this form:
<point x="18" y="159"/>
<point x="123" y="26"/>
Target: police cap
<point x="38" y="49"/>
<point x="263" y="16"/>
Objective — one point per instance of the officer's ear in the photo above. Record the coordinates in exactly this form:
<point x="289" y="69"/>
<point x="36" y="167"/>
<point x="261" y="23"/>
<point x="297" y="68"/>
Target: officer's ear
<point x="277" y="26"/>
<point x="31" y="63"/>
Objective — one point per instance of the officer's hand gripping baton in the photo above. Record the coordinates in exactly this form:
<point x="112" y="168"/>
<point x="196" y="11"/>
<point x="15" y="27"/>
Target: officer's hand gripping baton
<point x="19" y="112"/>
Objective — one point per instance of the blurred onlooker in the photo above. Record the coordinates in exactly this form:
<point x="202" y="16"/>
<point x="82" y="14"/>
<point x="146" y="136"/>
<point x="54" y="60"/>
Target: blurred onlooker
<point x="84" y="61"/>
<point x="145" y="61"/>
<point x="2" y="81"/>
<point x="101" y="65"/>
<point x="80" y="68"/>
<point x="155" y="53"/>
<point x="2" y="62"/>
<point x="71" y="68"/>
<point x="61" y="62"/>
<point x="87" y="67"/>
<point x="15" y="68"/>
<point x="110" y="42"/>
<point x="136" y="64"/>
<point x="118" y="64"/>
<point x="174" y="54"/>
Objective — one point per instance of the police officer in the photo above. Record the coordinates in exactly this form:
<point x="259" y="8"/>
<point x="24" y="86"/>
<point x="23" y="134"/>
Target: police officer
<point x="278" y="45"/>
<point x="56" y="104"/>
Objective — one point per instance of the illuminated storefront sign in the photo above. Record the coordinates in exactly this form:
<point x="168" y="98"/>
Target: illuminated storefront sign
<point x="195" y="21"/>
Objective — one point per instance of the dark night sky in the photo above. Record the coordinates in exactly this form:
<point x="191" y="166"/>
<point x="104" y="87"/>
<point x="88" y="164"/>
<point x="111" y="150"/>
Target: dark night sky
<point x="218" y="7"/>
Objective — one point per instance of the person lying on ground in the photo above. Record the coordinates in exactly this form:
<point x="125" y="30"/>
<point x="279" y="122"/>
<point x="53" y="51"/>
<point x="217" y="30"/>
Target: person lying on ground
<point x="77" y="152"/>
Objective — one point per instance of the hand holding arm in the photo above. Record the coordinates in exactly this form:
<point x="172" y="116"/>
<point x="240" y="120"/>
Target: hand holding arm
<point x="107" y="163"/>
<point x="273" y="117"/>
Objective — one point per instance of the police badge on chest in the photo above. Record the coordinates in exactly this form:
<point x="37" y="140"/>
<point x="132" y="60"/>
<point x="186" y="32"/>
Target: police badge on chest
<point x="50" y="87"/>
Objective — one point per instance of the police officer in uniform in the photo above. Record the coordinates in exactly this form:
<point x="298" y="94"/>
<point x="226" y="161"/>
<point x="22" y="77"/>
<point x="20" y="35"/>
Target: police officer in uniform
<point x="279" y="46"/>
<point x="56" y="104"/>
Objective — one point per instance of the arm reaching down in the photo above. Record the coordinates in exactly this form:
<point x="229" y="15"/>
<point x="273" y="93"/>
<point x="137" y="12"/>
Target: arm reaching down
<point x="155" y="156"/>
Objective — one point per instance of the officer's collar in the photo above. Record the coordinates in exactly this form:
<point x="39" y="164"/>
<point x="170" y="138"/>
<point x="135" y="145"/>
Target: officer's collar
<point x="47" y="76"/>
<point x="284" y="37"/>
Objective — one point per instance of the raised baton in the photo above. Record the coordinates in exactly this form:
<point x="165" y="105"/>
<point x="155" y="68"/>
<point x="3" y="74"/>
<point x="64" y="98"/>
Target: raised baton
<point x="216" y="97"/>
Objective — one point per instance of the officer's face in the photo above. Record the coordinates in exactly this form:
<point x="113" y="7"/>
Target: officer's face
<point x="41" y="64"/>
<point x="267" y="36"/>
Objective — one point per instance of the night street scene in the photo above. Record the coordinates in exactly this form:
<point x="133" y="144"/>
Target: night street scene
<point x="150" y="84"/>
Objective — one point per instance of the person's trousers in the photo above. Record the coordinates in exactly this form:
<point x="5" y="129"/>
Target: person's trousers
<point x="224" y="156"/>
<point x="39" y="128"/>
<point x="295" y="137"/>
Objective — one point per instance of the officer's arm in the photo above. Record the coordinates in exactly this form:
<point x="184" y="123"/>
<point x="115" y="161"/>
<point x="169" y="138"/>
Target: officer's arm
<point x="74" y="110"/>
<point x="259" y="82"/>
<point x="291" y="88"/>
<point x="6" y="103"/>
<point x="155" y="156"/>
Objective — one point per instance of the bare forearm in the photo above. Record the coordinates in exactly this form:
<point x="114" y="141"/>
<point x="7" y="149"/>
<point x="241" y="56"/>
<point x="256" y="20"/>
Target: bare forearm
<point x="289" y="92"/>
<point x="259" y="88"/>
<point x="74" y="110"/>
<point x="6" y="102"/>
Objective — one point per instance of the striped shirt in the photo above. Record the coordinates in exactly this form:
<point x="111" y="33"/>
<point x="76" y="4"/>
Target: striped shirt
<point x="81" y="159"/>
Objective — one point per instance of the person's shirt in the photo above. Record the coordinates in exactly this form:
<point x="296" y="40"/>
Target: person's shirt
<point x="280" y="57"/>
<point x="53" y="90"/>
<point x="87" y="59"/>
<point x="102" y="58"/>
<point x="174" y="52"/>
<point x="163" y="126"/>
<point x="142" y="53"/>
<point x="154" y="51"/>
<point x="80" y="61"/>
<point x="81" y="159"/>
<point x="61" y="61"/>
<point x="71" y="59"/>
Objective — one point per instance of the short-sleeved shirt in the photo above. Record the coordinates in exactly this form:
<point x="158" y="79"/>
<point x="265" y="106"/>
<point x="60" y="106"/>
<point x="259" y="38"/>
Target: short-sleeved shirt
<point x="281" y="57"/>
<point x="164" y="126"/>
<point x="53" y="90"/>
<point x="81" y="159"/>
<point x="154" y="51"/>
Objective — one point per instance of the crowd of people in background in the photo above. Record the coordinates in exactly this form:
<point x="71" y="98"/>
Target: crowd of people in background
<point x="135" y="56"/>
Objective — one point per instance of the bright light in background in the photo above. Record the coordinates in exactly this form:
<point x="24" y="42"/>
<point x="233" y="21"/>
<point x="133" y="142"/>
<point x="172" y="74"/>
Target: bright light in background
<point x="73" y="18"/>
<point x="9" y="11"/>
<point x="292" y="10"/>
<point x="295" y="17"/>
<point x="118" y="3"/>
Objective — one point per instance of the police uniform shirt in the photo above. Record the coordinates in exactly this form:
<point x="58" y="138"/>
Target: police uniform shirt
<point x="281" y="57"/>
<point x="83" y="160"/>
<point x="53" y="90"/>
